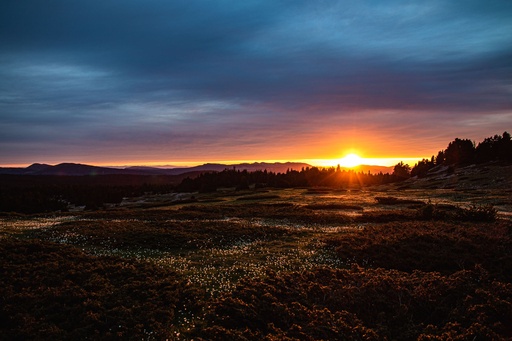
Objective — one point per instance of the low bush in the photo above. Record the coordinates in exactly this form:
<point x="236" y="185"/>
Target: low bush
<point x="430" y="246"/>
<point x="396" y="201"/>
<point x="333" y="207"/>
<point x="387" y="216"/>
<point x="474" y="213"/>
<point x="477" y="213"/>
<point x="259" y="197"/>
<point x="56" y="292"/>
<point x="287" y="212"/>
<point x="362" y="304"/>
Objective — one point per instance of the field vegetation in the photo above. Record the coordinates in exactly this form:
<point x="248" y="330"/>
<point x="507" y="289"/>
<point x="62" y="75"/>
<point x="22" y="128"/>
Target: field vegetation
<point x="275" y="264"/>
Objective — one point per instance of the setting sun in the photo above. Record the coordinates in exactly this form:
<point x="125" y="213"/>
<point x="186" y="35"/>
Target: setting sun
<point x="350" y="160"/>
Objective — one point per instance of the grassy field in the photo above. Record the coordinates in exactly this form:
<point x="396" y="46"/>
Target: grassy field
<point x="290" y="264"/>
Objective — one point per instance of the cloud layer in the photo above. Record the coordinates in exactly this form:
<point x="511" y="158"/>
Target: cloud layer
<point x="110" y="82"/>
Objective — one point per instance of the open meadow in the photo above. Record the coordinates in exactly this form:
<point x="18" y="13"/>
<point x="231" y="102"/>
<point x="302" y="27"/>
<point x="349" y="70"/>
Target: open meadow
<point x="277" y="264"/>
<point x="255" y="170"/>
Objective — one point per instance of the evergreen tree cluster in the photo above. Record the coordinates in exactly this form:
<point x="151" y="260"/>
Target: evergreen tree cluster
<point x="307" y="177"/>
<point x="463" y="152"/>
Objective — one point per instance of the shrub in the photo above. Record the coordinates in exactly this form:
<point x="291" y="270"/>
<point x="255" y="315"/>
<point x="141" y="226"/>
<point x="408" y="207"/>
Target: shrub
<point x="56" y="292"/>
<point x="362" y="304"/>
<point x="429" y="246"/>
<point x="396" y="201"/>
<point x="475" y="213"/>
<point x="478" y="213"/>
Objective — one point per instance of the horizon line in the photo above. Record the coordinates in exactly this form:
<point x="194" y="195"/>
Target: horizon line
<point x="374" y="162"/>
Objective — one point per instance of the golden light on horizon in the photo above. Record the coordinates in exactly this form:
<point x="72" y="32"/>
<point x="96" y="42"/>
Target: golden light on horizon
<point x="351" y="160"/>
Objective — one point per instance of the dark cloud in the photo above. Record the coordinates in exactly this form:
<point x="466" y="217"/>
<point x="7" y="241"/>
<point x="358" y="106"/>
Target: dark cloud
<point x="178" y="75"/>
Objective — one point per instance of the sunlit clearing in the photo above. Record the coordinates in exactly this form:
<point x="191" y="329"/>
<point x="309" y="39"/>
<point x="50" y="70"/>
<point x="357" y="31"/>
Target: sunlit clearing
<point x="351" y="160"/>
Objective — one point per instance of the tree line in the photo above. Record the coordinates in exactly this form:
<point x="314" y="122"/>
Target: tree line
<point x="460" y="152"/>
<point x="306" y="177"/>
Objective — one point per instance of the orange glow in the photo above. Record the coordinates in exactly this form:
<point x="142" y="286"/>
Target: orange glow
<point x="325" y="149"/>
<point x="344" y="162"/>
<point x="351" y="160"/>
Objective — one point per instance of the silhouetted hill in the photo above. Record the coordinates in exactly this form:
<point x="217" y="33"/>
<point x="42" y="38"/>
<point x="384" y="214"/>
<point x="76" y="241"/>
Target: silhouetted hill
<point x="150" y="170"/>
<point x="70" y="169"/>
<point x="76" y="169"/>
<point x="37" y="167"/>
<point x="276" y="167"/>
<point x="32" y="169"/>
<point x="490" y="175"/>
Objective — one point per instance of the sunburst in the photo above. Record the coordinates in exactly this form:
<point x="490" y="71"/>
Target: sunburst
<point x="350" y="160"/>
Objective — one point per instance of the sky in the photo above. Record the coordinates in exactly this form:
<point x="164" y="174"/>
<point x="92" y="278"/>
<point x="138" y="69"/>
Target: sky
<point x="191" y="81"/>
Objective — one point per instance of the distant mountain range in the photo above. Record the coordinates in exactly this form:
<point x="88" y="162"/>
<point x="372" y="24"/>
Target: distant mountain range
<point x="373" y="169"/>
<point x="76" y="169"/>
